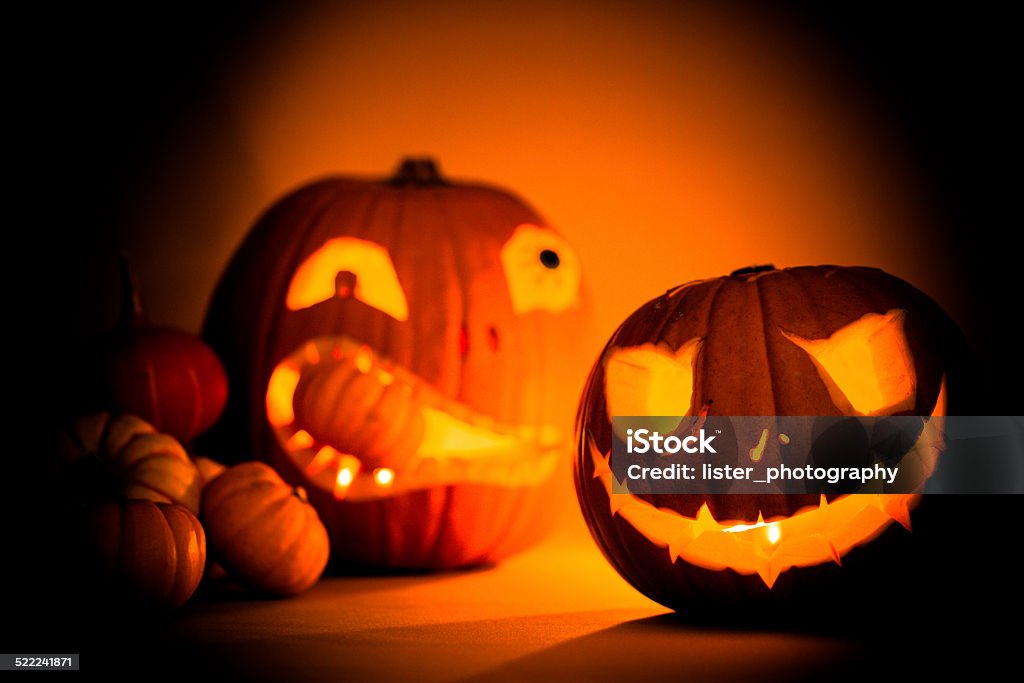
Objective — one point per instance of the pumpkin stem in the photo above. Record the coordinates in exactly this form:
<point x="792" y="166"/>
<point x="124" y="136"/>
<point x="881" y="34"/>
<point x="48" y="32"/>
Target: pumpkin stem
<point x="301" y="494"/>
<point x="131" y="301"/>
<point x="752" y="270"/>
<point x="418" y="171"/>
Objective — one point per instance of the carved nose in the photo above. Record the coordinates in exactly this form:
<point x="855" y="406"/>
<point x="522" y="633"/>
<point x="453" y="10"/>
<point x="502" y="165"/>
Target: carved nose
<point x="345" y="283"/>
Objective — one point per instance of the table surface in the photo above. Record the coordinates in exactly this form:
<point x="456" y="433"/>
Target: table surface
<point x="556" y="612"/>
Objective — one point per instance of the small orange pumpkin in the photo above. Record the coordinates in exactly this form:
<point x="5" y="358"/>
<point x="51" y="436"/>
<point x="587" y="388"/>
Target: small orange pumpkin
<point x="146" y="465"/>
<point x="166" y="375"/>
<point x="264" y="532"/>
<point x="150" y="554"/>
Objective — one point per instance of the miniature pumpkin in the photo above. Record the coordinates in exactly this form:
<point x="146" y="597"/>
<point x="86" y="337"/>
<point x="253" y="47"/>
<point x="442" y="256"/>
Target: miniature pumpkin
<point x="167" y="376"/>
<point x="150" y="554"/>
<point x="208" y="469"/>
<point x="264" y="532"/>
<point x="404" y="349"/>
<point x="816" y="341"/>
<point x="143" y="463"/>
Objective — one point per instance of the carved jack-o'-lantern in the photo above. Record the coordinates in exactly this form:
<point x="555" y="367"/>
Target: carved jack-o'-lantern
<point x="814" y="341"/>
<point x="403" y="350"/>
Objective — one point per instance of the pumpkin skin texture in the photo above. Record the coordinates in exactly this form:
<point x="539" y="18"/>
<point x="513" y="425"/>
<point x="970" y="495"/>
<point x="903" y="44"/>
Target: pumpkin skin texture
<point x="143" y="463"/>
<point x="263" y="531"/>
<point x="208" y="469"/>
<point x="410" y="362"/>
<point x="751" y="344"/>
<point x="169" y="377"/>
<point x="149" y="554"/>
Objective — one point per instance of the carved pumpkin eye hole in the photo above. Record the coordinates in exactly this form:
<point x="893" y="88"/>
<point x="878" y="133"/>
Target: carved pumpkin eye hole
<point x="347" y="267"/>
<point x="650" y="380"/>
<point x="867" y="365"/>
<point x="550" y="259"/>
<point x="541" y="270"/>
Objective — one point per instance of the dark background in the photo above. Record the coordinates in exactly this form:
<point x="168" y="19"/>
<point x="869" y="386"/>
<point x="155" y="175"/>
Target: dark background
<point x="96" y="91"/>
<point x="104" y="88"/>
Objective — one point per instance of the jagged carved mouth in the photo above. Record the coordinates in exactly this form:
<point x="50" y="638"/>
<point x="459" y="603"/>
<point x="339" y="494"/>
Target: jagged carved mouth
<point x="811" y="536"/>
<point x="363" y="427"/>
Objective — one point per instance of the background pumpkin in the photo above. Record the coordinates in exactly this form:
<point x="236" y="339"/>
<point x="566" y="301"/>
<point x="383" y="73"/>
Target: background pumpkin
<point x="745" y="345"/>
<point x="361" y="319"/>
<point x="263" y="531"/>
<point x="167" y="376"/>
<point x="149" y="554"/>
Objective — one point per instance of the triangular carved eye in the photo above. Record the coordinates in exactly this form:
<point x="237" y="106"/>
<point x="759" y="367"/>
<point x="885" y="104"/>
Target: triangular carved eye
<point x="866" y="365"/>
<point x="650" y="380"/>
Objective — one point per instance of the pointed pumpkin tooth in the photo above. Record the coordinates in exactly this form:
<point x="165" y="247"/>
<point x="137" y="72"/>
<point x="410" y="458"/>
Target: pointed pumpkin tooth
<point x="705" y="521"/>
<point x="617" y="501"/>
<point x="602" y="469"/>
<point x="835" y="553"/>
<point x="299" y="441"/>
<point x="323" y="458"/>
<point x="899" y="511"/>
<point x="677" y="543"/>
<point x="769" y="572"/>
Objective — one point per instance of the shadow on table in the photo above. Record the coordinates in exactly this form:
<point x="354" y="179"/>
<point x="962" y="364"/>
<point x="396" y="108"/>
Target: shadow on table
<point x="672" y="647"/>
<point x="669" y="648"/>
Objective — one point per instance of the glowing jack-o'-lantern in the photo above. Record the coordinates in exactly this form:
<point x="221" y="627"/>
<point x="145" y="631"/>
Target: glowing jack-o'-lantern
<point x="814" y="341"/>
<point x="403" y="349"/>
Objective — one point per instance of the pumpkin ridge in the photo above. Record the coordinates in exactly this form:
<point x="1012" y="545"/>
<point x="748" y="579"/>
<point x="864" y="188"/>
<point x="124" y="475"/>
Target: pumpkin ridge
<point x="213" y="503"/>
<point x="165" y="496"/>
<point x="297" y="549"/>
<point x="765" y="346"/>
<point x="621" y="529"/>
<point x="440" y="539"/>
<point x="197" y="406"/>
<point x="144" y="445"/>
<point x="176" y="578"/>
<point x="256" y="522"/>
<point x="170" y="560"/>
<point x="698" y="385"/>
<point x="461" y="275"/>
<point x="503" y="517"/>
<point x="193" y="570"/>
<point x="877" y="301"/>
<point x="108" y="449"/>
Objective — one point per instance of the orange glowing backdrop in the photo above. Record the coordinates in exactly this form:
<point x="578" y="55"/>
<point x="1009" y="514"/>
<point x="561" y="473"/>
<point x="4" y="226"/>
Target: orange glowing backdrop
<point x="667" y="142"/>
